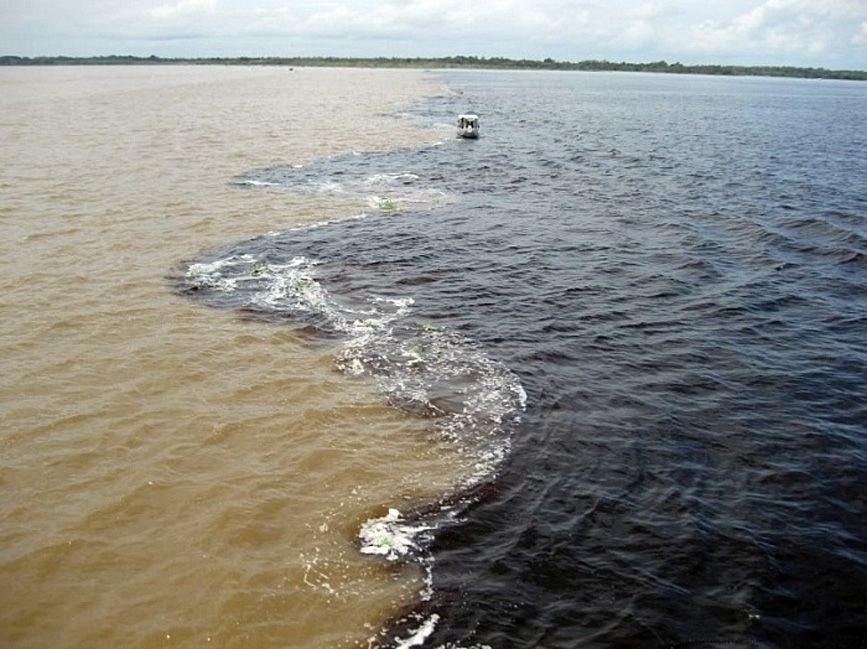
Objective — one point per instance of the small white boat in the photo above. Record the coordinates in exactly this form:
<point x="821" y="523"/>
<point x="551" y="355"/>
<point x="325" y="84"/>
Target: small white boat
<point x="468" y="125"/>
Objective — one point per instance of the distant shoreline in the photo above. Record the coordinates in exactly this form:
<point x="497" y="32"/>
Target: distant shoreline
<point x="467" y="62"/>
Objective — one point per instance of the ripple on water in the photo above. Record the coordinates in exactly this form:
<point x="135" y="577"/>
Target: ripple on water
<point x="684" y="307"/>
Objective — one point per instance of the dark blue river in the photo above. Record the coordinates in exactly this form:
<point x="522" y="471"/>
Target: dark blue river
<point x="639" y="304"/>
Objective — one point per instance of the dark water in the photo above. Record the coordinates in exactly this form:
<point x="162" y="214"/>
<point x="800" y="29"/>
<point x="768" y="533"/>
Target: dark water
<point x="674" y="270"/>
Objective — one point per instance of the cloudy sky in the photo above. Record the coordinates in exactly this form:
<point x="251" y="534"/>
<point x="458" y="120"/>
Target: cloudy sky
<point x="827" y="33"/>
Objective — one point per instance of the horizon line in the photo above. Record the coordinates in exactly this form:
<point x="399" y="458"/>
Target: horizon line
<point x="465" y="61"/>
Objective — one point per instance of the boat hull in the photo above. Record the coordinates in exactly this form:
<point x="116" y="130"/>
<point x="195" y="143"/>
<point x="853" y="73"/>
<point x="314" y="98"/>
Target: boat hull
<point x="468" y="126"/>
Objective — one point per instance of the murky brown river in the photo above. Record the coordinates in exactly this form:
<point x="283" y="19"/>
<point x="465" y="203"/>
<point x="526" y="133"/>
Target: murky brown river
<point x="173" y="475"/>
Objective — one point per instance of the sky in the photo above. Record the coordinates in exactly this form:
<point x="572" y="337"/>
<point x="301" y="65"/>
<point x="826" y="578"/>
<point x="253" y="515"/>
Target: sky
<point x="810" y="33"/>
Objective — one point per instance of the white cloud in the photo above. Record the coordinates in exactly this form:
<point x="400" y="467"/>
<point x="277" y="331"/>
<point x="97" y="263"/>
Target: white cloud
<point x="799" y="32"/>
<point x="184" y="7"/>
<point x="637" y="33"/>
<point x="776" y="29"/>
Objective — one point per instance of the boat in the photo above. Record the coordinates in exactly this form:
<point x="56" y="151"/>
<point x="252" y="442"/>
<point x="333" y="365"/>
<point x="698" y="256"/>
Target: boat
<point x="468" y="125"/>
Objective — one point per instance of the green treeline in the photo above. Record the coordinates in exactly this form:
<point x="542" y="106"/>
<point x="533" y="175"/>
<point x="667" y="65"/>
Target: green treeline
<point x="479" y="62"/>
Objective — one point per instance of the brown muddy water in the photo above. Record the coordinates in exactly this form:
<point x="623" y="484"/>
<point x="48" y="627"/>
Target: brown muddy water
<point x="173" y="475"/>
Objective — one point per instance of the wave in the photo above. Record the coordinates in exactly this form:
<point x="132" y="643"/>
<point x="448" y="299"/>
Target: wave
<point x="374" y="183"/>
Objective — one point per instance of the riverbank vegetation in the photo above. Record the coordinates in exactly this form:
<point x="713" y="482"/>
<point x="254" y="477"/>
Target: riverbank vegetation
<point x="471" y="62"/>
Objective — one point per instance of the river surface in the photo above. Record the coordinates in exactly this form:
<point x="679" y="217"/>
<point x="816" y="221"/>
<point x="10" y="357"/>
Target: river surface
<point x="172" y="475"/>
<point x="290" y="365"/>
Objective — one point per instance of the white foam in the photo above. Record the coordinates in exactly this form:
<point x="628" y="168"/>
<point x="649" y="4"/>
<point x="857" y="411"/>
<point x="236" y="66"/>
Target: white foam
<point x="381" y="191"/>
<point x="329" y="187"/>
<point x="211" y="275"/>
<point x="391" y="536"/>
<point x="418" y="636"/>
<point x="472" y="400"/>
<point x="257" y="183"/>
<point x="291" y="286"/>
<point x="390" y="179"/>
